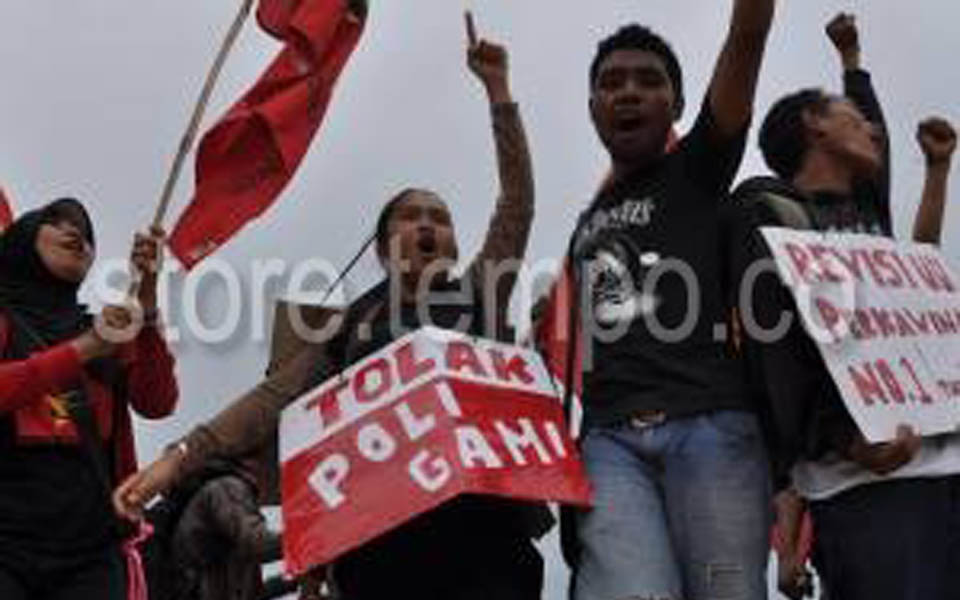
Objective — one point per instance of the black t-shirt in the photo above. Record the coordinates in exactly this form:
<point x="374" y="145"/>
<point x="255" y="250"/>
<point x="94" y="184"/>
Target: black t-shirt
<point x="848" y="214"/>
<point x="648" y="258"/>
<point x="53" y="508"/>
<point x="54" y="511"/>
<point x="803" y="412"/>
<point x="454" y="306"/>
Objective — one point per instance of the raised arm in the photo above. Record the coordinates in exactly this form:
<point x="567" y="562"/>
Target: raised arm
<point x="734" y="82"/>
<point x="858" y="87"/>
<point x="509" y="229"/>
<point x="152" y="388"/>
<point x="845" y="36"/>
<point x="938" y="140"/>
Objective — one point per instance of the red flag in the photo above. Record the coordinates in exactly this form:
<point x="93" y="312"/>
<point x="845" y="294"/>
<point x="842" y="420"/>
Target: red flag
<point x="6" y="212"/>
<point x="559" y="327"/>
<point x="247" y="159"/>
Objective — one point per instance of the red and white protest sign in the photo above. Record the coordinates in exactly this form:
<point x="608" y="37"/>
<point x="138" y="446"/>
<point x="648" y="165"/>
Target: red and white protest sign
<point x="886" y="318"/>
<point x="434" y="415"/>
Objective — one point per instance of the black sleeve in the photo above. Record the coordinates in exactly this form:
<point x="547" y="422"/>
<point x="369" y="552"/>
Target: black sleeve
<point x="710" y="158"/>
<point x="858" y="87"/>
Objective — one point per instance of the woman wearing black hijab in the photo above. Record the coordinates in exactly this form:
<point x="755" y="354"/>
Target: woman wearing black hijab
<point x="65" y="429"/>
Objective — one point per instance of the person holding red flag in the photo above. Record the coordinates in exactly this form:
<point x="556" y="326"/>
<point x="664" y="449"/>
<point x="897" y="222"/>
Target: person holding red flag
<point x="66" y="387"/>
<point x="476" y="548"/>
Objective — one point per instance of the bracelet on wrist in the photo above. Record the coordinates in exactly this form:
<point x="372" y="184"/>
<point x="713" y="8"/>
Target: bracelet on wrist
<point x="180" y="451"/>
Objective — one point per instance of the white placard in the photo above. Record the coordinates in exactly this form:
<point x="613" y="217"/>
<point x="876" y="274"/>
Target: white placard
<point x="886" y="318"/>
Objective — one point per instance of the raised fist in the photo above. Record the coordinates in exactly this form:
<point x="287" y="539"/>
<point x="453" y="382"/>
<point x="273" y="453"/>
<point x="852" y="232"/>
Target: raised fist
<point x="842" y="31"/>
<point x="937" y="139"/>
<point x="118" y="324"/>
<point x="147" y="253"/>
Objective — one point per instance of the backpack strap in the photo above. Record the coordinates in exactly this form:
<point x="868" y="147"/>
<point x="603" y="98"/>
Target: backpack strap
<point x="790" y="212"/>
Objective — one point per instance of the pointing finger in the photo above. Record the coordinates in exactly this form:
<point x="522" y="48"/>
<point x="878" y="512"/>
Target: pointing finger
<point x="471" y="29"/>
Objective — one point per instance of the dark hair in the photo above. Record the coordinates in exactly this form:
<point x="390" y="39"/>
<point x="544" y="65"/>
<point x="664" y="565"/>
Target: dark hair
<point x="638" y="37"/>
<point x="383" y="221"/>
<point x="783" y="136"/>
<point x="69" y="210"/>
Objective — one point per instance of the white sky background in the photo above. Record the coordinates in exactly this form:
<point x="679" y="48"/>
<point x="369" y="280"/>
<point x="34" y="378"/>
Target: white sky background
<point x="95" y="95"/>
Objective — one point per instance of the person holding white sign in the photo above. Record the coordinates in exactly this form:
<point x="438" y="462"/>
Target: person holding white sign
<point x="477" y="548"/>
<point x="884" y="514"/>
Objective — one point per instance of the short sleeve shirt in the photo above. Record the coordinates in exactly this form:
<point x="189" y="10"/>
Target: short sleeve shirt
<point x="649" y="265"/>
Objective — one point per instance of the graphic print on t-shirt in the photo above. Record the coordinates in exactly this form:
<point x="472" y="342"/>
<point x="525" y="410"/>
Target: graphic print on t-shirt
<point x="48" y="421"/>
<point x="59" y="411"/>
<point x="615" y="267"/>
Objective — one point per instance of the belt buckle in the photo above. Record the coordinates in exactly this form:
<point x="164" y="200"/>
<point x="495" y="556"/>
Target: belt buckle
<point x="646" y="420"/>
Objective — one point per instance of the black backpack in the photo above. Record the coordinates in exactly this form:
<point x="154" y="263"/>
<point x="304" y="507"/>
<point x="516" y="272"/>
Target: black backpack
<point x="159" y="564"/>
<point x="166" y="578"/>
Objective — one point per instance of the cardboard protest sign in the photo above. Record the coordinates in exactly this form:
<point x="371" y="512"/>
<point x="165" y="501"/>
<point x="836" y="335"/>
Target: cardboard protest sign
<point x="432" y="416"/>
<point x="886" y="318"/>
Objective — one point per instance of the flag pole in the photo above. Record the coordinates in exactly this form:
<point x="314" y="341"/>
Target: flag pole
<point x="186" y="143"/>
<point x="190" y="135"/>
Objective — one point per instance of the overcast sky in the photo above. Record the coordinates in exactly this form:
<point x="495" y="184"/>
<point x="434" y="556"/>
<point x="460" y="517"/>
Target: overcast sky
<point x="95" y="95"/>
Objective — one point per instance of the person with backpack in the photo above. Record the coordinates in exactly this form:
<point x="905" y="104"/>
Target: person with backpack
<point x="66" y="390"/>
<point x="469" y="548"/>
<point x="884" y="515"/>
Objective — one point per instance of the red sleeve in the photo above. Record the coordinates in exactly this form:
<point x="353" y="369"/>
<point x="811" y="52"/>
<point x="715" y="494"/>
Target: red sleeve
<point x="24" y="382"/>
<point x="151" y="384"/>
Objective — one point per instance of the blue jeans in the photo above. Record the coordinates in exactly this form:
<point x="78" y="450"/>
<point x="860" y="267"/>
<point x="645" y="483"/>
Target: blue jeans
<point x="682" y="510"/>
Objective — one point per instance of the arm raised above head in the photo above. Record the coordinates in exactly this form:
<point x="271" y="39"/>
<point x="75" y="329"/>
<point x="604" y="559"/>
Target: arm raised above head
<point x="493" y="270"/>
<point x="844" y="34"/>
<point x="735" y="76"/>
<point x="938" y="141"/>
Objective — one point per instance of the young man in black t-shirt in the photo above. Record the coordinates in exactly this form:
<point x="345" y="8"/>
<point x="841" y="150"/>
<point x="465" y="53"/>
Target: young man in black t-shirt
<point x="674" y="454"/>
<point x="884" y="515"/>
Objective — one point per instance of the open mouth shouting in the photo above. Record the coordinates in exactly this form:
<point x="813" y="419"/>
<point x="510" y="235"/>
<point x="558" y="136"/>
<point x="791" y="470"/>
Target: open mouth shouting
<point x="630" y="122"/>
<point x="427" y="245"/>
